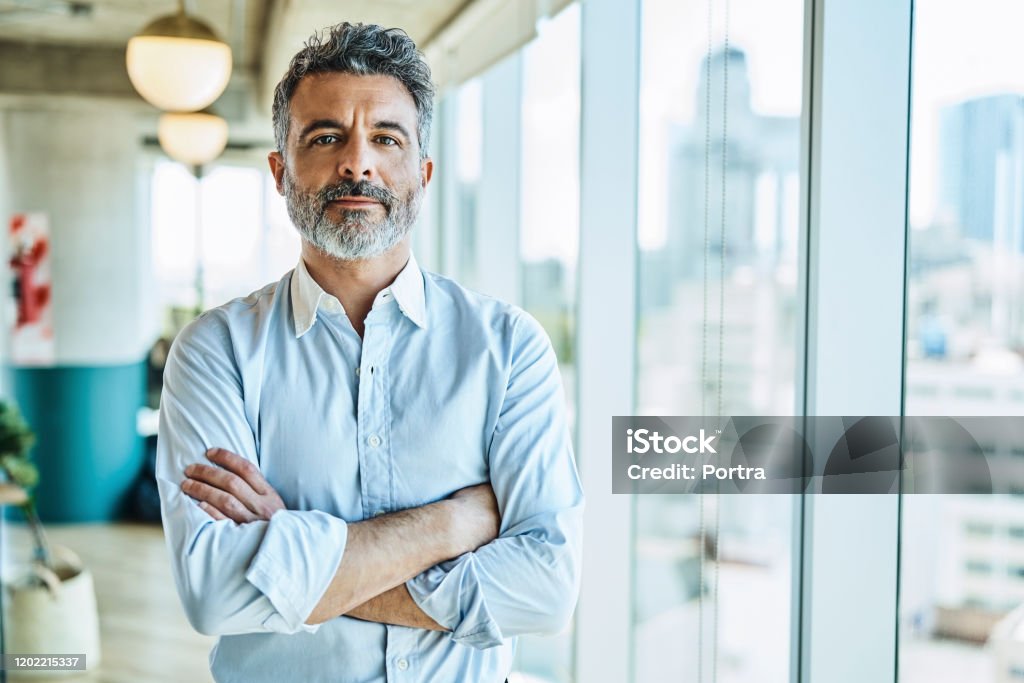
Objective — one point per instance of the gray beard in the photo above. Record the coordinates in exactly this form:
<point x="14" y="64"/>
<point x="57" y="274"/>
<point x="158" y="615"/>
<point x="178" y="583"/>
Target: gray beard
<point x="356" y="236"/>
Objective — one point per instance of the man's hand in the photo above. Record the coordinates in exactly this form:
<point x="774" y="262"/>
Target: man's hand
<point x="232" y="488"/>
<point x="235" y="489"/>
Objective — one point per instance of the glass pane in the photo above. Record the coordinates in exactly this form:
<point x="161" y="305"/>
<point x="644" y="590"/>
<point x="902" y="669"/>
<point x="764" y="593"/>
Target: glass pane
<point x="718" y="328"/>
<point x="550" y="219"/>
<point x="244" y="243"/>
<point x="961" y="578"/>
<point x="173" y="215"/>
<point x="232" y="233"/>
<point x="548" y="238"/>
<point x="459" y="213"/>
<point x="281" y="242"/>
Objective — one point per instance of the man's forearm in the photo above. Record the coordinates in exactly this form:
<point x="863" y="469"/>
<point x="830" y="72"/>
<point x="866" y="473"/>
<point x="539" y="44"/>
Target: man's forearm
<point x="380" y="554"/>
<point x="395" y="607"/>
<point x="385" y="552"/>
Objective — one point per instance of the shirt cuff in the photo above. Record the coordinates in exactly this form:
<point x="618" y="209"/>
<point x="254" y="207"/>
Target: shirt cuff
<point x="296" y="560"/>
<point x="450" y="593"/>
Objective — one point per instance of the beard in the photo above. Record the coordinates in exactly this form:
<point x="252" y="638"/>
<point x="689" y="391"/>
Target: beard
<point x="356" y="235"/>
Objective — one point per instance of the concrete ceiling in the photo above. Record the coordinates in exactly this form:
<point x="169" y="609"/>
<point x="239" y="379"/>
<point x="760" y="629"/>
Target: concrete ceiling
<point x="292" y="21"/>
<point x="263" y="34"/>
<point x="110" y="23"/>
<point x="75" y="48"/>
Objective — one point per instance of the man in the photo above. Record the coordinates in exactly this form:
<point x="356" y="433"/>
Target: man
<point x="335" y="448"/>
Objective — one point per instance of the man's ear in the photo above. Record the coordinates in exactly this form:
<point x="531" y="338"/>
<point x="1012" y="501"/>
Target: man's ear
<point x="277" y="169"/>
<point x="426" y="170"/>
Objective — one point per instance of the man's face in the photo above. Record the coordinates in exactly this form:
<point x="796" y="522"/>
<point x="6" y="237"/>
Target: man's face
<point x="352" y="175"/>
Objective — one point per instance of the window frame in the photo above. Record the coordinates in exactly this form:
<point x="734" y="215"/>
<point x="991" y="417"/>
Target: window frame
<point x="606" y="326"/>
<point x="856" y="141"/>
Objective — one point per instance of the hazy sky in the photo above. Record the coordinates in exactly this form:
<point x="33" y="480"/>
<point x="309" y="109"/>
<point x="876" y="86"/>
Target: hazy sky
<point x="961" y="50"/>
<point x="675" y="40"/>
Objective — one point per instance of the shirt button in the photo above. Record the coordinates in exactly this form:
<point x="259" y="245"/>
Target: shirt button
<point x="357" y="371"/>
<point x="374" y="441"/>
<point x="403" y="664"/>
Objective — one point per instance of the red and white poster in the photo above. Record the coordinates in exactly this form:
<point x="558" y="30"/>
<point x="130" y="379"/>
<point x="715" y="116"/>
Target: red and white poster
<point x="32" y="340"/>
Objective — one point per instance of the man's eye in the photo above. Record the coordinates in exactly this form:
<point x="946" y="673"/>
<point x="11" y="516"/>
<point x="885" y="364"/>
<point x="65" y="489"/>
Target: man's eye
<point x="386" y="140"/>
<point x="325" y="140"/>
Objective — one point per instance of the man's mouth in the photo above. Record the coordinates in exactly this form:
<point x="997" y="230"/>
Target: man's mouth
<point x="355" y="202"/>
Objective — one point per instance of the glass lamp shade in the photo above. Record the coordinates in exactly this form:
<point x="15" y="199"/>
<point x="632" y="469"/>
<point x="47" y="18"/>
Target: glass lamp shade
<point x="178" y="63"/>
<point x="194" y="139"/>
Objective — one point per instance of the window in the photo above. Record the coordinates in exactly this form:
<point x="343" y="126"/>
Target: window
<point x="244" y="239"/>
<point x="718" y="232"/>
<point x="549" y="219"/>
<point x="548" y="242"/>
<point x="978" y="567"/>
<point x="459" y="174"/>
<point x="964" y="334"/>
<point x="979" y="529"/>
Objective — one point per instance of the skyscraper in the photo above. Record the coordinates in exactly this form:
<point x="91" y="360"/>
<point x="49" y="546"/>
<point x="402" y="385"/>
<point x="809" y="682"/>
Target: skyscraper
<point x="760" y="172"/>
<point x="981" y="167"/>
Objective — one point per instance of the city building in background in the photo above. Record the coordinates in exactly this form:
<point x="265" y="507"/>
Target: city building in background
<point x="962" y="557"/>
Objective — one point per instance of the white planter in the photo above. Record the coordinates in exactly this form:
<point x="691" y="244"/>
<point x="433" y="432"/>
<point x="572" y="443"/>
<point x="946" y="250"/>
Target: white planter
<point x="59" y="618"/>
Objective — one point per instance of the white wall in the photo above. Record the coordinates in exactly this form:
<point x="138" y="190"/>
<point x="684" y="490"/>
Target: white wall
<point x="78" y="165"/>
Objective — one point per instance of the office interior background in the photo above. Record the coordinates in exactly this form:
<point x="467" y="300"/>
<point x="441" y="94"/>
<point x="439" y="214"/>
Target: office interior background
<point x="736" y="207"/>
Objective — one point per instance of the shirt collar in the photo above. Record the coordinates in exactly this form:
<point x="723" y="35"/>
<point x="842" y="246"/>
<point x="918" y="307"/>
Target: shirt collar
<point x="307" y="296"/>
<point x="408" y="291"/>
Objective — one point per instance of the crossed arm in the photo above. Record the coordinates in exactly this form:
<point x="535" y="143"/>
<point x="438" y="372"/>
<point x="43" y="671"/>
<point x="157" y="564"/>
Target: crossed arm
<point x="253" y="566"/>
<point x="380" y="554"/>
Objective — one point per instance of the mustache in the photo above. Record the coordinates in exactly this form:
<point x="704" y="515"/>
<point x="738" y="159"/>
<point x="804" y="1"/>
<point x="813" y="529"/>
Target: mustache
<point x="362" y="188"/>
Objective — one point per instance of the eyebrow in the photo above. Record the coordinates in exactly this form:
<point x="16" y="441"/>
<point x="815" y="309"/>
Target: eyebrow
<point x="332" y="123"/>
<point x="395" y="126"/>
<point x="319" y="123"/>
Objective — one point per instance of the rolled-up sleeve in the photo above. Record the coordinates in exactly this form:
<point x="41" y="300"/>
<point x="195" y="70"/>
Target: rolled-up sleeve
<point x="232" y="578"/>
<point x="526" y="581"/>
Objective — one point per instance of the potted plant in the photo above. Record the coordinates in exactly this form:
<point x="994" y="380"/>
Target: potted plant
<point x="53" y="608"/>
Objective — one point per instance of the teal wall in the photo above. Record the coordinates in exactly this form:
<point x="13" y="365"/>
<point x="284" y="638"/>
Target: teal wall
<point x="88" y="450"/>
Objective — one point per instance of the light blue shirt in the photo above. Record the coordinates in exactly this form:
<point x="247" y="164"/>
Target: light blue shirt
<point x="446" y="389"/>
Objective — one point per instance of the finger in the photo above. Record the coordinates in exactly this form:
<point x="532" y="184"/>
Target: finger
<point x="212" y="511"/>
<point x="228" y="482"/>
<point x="223" y="501"/>
<point x="242" y="467"/>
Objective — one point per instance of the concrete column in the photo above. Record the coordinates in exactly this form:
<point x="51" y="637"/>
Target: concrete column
<point x="79" y="165"/>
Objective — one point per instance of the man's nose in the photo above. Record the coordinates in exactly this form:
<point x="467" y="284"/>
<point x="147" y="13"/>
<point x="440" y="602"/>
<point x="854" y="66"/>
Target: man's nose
<point x="355" y="162"/>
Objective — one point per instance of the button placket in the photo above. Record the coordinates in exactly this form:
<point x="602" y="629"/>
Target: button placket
<point x="400" y="655"/>
<point x="373" y="413"/>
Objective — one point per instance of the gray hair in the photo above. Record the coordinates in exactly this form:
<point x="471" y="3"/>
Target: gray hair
<point x="363" y="50"/>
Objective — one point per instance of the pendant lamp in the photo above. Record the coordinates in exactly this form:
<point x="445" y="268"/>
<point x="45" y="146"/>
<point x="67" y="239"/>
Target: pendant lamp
<point x="195" y="138"/>
<point x="177" y="63"/>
